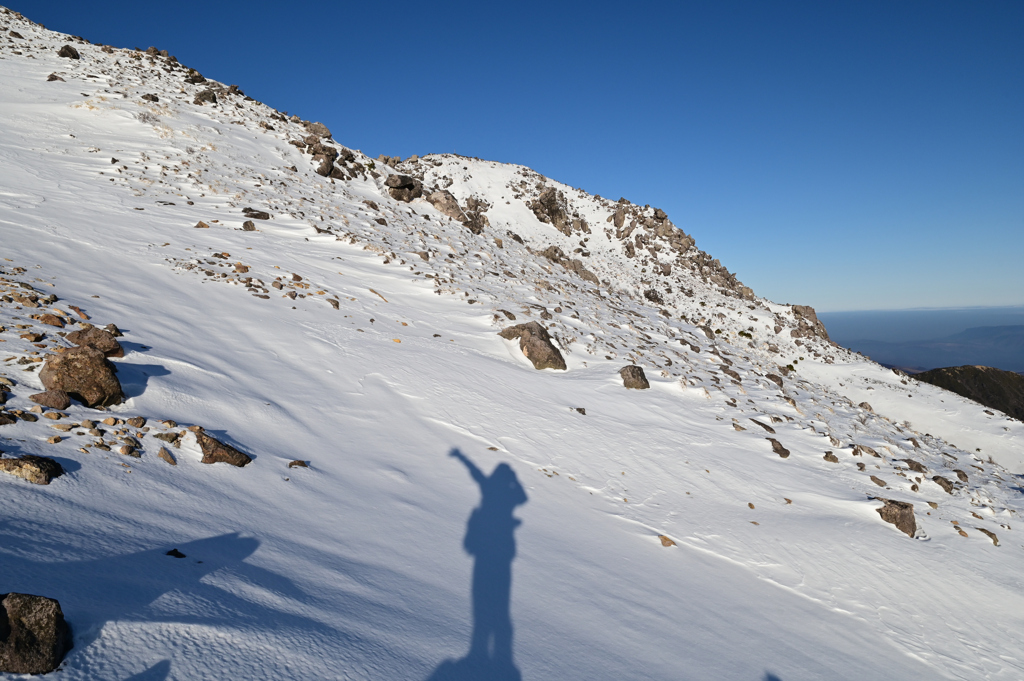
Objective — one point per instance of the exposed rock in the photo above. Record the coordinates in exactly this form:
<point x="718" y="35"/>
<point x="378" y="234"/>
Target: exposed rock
<point x="206" y="96"/>
<point x="33" y="634"/>
<point x="536" y="344"/>
<point x="53" y="76"/>
<point x="54" y="399"/>
<point x="860" y="450"/>
<point x="866" y="407"/>
<point x="633" y="377"/>
<point x="830" y="457"/>
<point x="136" y="422"/>
<point x="51" y="320"/>
<point x="988" y="533"/>
<point x="551" y="207"/>
<point x="151" y="98"/>
<point x="39" y="470"/>
<point x="944" y="483"/>
<point x="202" y="225"/>
<point x="444" y="201"/>
<point x="85" y="375"/>
<point x="665" y="541"/>
<point x="900" y="514"/>
<point x="765" y="426"/>
<point x="403" y="188"/>
<point x="774" y="379"/>
<point x="995" y="388"/>
<point x="961" y="475"/>
<point x="318" y="129"/>
<point x="93" y="337"/>
<point x="215" y="451"/>
<point x="298" y="464"/>
<point x="808" y="325"/>
<point x="878" y="481"/>
<point x="778" y="448"/>
<point x="915" y="466"/>
<point x="248" y="226"/>
<point x="253" y="214"/>
<point x="167" y="456"/>
<point x="68" y="52"/>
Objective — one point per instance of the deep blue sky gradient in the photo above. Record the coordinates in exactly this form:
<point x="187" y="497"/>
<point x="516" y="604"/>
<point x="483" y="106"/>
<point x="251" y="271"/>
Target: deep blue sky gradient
<point x="847" y="155"/>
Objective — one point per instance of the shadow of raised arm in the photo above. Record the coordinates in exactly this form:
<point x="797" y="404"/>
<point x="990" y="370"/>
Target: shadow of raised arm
<point x="477" y="474"/>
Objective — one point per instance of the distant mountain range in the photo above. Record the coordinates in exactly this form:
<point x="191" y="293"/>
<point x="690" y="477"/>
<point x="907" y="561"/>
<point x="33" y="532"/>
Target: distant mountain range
<point x="994" y="346"/>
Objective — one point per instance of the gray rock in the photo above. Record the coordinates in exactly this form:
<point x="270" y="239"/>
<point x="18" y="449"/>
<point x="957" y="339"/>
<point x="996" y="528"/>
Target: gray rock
<point x="403" y="188"/>
<point x="633" y="377"/>
<point x="444" y="201"/>
<point x="207" y="96"/>
<point x="900" y="514"/>
<point x="536" y="344"/>
<point x="54" y="399"/>
<point x="33" y="634"/>
<point x="249" y="226"/>
<point x="68" y="52"/>
<point x="85" y="375"/>
<point x="39" y="470"/>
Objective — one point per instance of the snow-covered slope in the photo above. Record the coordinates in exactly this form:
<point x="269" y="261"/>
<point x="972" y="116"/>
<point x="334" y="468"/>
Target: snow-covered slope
<point x="662" y="536"/>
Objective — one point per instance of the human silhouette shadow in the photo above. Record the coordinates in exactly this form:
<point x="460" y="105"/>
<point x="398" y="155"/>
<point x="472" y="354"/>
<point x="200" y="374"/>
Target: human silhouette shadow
<point x="490" y="539"/>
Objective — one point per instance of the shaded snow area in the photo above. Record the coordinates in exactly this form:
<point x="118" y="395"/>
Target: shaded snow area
<point x="461" y="515"/>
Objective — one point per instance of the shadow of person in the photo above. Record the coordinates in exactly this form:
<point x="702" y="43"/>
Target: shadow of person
<point x="490" y="539"/>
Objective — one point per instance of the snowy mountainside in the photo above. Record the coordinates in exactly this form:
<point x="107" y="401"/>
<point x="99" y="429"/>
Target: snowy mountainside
<point x="274" y="291"/>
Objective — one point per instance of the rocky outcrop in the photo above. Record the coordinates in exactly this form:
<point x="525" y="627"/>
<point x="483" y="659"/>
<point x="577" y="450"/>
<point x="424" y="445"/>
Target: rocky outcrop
<point x="444" y="201"/>
<point x="994" y="388"/>
<point x="33" y="634"/>
<point x="207" y="96"/>
<point x="39" y="470"/>
<point x="633" y="377"/>
<point x="536" y="344"/>
<point x="215" y="451"/>
<point x="551" y="207"/>
<point x="68" y="52"/>
<point x="808" y="324"/>
<point x="403" y="188"/>
<point x="93" y="337"/>
<point x="900" y="514"/>
<point x="85" y="375"/>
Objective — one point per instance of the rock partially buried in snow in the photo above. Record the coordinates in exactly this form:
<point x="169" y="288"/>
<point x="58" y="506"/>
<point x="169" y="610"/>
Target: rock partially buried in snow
<point x="900" y="514"/>
<point x="85" y="375"/>
<point x="54" y="399"/>
<point x="103" y="341"/>
<point x="633" y="377"/>
<point x="536" y="344"/>
<point x="444" y="201"/>
<point x="778" y="448"/>
<point x="33" y="634"/>
<point x="39" y="470"/>
<point x="215" y="451"/>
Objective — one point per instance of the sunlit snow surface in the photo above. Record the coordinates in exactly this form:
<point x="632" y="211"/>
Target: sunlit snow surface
<point x="355" y="568"/>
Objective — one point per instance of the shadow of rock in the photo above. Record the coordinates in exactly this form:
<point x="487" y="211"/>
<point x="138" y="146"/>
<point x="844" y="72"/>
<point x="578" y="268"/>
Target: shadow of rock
<point x="158" y="672"/>
<point x="134" y="377"/>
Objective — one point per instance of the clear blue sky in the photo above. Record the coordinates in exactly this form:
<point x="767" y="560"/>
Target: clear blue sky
<point x="848" y="155"/>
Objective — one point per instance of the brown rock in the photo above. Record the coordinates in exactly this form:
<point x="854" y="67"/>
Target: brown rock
<point x="778" y="448"/>
<point x="988" y="533"/>
<point x="85" y="375"/>
<point x="54" y="399"/>
<point x="403" y="188"/>
<point x="102" y="340"/>
<point x="202" y="225"/>
<point x="878" y="481"/>
<point x="68" y="52"/>
<point x="167" y="456"/>
<point x="665" y="541"/>
<point x="215" y="451"/>
<point x="39" y="470"/>
<point x="136" y="422"/>
<point x="444" y="201"/>
<point x="298" y="464"/>
<point x="248" y="226"/>
<point x="52" y="320"/>
<point x="765" y="426"/>
<point x="33" y="634"/>
<point x="900" y="514"/>
<point x="915" y="466"/>
<point x="205" y="97"/>
<point x="830" y="457"/>
<point x="536" y="344"/>
<point x="961" y="475"/>
<point x="774" y="379"/>
<point x="633" y="377"/>
<point x="944" y="483"/>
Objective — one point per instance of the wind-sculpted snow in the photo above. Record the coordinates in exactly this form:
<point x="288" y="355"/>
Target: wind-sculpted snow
<point x="359" y="333"/>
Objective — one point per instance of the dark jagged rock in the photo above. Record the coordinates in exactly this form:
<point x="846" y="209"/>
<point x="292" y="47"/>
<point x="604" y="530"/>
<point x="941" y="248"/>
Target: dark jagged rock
<point x="944" y="483"/>
<point x="536" y="344"/>
<point x="39" y="470"/>
<point x="994" y="388"/>
<point x="633" y="377"/>
<point x="215" y="451"/>
<point x="403" y="188"/>
<point x="900" y="514"/>
<point x="85" y="375"/>
<point x="207" y="96"/>
<point x="68" y="52"/>
<point x="778" y="448"/>
<point x="33" y="634"/>
<point x="551" y="207"/>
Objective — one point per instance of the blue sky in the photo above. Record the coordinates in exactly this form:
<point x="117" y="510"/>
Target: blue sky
<point x="847" y="155"/>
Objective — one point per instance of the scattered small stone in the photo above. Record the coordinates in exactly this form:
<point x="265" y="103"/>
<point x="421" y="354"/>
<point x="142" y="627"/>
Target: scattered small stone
<point x="665" y="541"/>
<point x="298" y="464"/>
<point x="878" y="481"/>
<point x="136" y="422"/>
<point x="175" y="553"/>
<point x="54" y="439"/>
<point x="581" y="410"/>
<point x="167" y="456"/>
<point x="915" y="466"/>
<point x="51" y="320"/>
<point x="765" y="426"/>
<point x="778" y="448"/>
<point x="129" y="450"/>
<point x="207" y="96"/>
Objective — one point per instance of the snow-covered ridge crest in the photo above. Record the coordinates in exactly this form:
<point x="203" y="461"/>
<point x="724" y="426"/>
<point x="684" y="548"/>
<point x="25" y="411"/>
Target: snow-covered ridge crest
<point x="308" y="302"/>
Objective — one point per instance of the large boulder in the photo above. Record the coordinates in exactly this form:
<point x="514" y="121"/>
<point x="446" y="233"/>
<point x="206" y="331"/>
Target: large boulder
<point x="445" y="202"/>
<point x="403" y="188"/>
<point x="33" y="634"/>
<point x="39" y="470"/>
<point x="900" y="514"/>
<point x="68" y="52"/>
<point x="318" y="129"/>
<point x="215" y="451"/>
<point x="536" y="344"/>
<point x="84" y="374"/>
<point x="93" y="337"/>
<point x="633" y="377"/>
